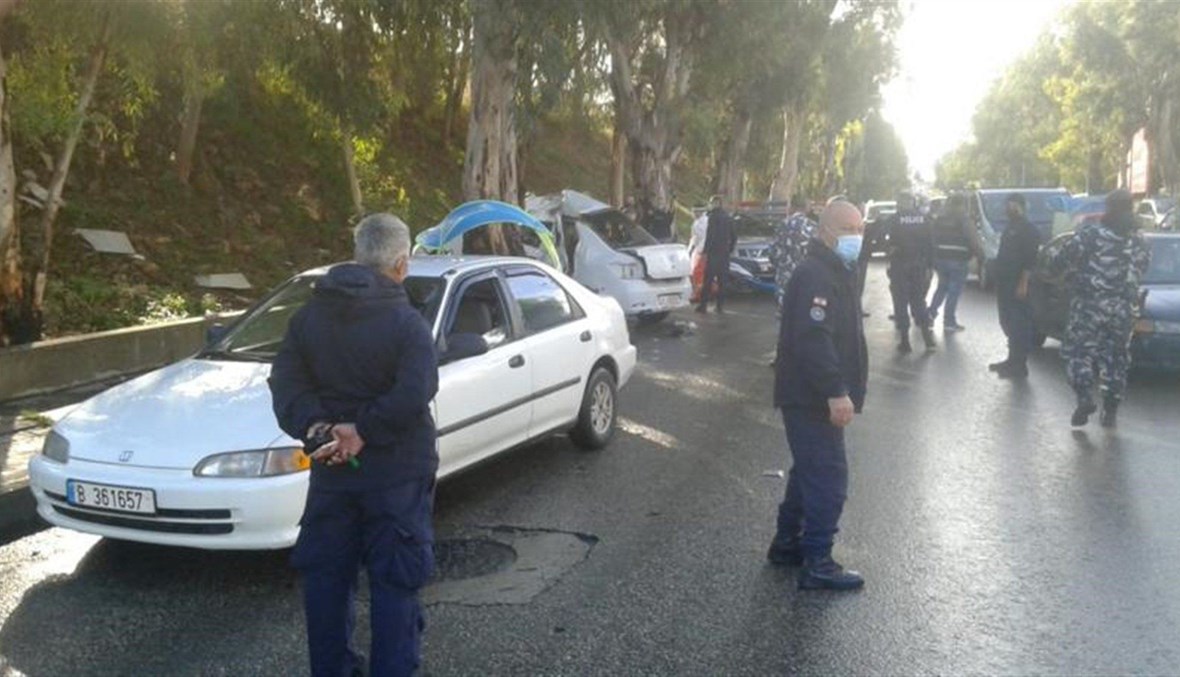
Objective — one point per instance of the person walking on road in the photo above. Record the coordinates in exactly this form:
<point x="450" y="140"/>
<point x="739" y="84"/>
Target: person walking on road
<point x="820" y="378"/>
<point x="955" y="242"/>
<point x="791" y="238"/>
<point x="720" y="238"/>
<point x="354" y="379"/>
<point x="1019" y="244"/>
<point x="911" y="259"/>
<point x="1103" y="263"/>
<point x="696" y="254"/>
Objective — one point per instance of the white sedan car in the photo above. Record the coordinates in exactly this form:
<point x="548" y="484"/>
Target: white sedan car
<point x="190" y="454"/>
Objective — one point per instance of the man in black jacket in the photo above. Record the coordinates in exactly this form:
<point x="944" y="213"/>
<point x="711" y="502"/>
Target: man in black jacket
<point x="358" y="368"/>
<point x="911" y="260"/>
<point x="720" y="238"/>
<point x="1019" y="244"/>
<point x="820" y="379"/>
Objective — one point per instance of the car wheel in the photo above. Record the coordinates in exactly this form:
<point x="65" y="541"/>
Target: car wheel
<point x="596" y="419"/>
<point x="653" y="318"/>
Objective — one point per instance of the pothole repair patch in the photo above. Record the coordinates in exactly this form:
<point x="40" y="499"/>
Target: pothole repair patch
<point x="503" y="565"/>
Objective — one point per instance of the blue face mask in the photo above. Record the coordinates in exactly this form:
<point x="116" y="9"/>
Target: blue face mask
<point x="848" y="248"/>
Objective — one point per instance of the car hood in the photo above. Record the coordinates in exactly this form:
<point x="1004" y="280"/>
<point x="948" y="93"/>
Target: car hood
<point x="1163" y="302"/>
<point x="663" y="261"/>
<point x="176" y="416"/>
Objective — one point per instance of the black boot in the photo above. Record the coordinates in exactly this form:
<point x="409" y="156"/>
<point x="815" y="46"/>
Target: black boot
<point x="1013" y="370"/>
<point x="823" y="573"/>
<point x="904" y="346"/>
<point x="1081" y="415"/>
<point x="928" y="338"/>
<point x="788" y="553"/>
<point x="1110" y="412"/>
<point x="999" y="366"/>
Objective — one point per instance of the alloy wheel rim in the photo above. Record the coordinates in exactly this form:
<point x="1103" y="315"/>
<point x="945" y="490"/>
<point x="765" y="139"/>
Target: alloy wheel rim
<point x="602" y="408"/>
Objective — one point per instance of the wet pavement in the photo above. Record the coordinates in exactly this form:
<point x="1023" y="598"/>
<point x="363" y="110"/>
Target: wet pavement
<point x="994" y="539"/>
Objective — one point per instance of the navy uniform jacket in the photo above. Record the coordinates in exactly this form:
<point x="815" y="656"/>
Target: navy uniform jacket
<point x="821" y="345"/>
<point x="358" y="352"/>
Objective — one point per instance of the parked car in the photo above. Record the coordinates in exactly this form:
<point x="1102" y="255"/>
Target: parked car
<point x="752" y="252"/>
<point x="1151" y="211"/>
<point x="1156" y="342"/>
<point x="987" y="210"/>
<point x="610" y="254"/>
<point x="191" y="455"/>
<point x="1168" y="223"/>
<point x="876" y="235"/>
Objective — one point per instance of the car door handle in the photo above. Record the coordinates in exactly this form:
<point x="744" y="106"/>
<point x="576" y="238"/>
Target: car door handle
<point x="516" y="361"/>
<point x="585" y="336"/>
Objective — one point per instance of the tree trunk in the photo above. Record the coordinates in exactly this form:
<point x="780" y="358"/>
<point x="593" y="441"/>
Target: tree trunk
<point x="61" y="170"/>
<point x="731" y="170"/>
<point x="490" y="169"/>
<point x="14" y="327"/>
<point x="1164" y="148"/>
<point x="193" y="101"/>
<point x="459" y="73"/>
<point x="354" y="183"/>
<point x="653" y="179"/>
<point x="783" y="186"/>
<point x="618" y="163"/>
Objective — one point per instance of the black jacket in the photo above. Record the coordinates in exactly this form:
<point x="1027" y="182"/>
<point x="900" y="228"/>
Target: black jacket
<point x="951" y="238"/>
<point x="358" y="352"/>
<point x="911" y="239"/>
<point x="821" y="345"/>
<point x="1019" y="244"/>
<point x="720" y="236"/>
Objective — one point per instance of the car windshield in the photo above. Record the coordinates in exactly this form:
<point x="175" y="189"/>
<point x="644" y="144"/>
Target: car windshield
<point x="260" y="333"/>
<point x="1165" y="261"/>
<point x="748" y="226"/>
<point x="1041" y="206"/>
<point x="618" y="231"/>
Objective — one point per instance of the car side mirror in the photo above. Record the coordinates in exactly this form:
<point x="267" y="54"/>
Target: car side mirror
<point x="214" y="333"/>
<point x="463" y="345"/>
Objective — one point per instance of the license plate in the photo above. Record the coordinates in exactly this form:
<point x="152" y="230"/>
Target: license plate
<point x="106" y="497"/>
<point x="669" y="300"/>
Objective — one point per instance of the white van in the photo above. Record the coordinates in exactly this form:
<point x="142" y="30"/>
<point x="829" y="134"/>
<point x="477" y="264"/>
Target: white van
<point x="987" y="211"/>
<point x="608" y="253"/>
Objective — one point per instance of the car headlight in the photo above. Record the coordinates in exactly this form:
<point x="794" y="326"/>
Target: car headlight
<point x="254" y="463"/>
<point x="630" y="271"/>
<point x="56" y="447"/>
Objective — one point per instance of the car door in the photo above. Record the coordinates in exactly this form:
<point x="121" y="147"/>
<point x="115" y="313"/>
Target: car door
<point x="483" y="404"/>
<point x="559" y="344"/>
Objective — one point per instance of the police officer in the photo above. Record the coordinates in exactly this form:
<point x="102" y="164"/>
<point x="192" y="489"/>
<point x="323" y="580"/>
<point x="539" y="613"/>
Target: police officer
<point x="1019" y="244"/>
<point x="1103" y="262"/>
<point x="720" y="238"/>
<point x="911" y="259"/>
<point x="358" y="365"/>
<point x="791" y="238"/>
<point x="820" y="377"/>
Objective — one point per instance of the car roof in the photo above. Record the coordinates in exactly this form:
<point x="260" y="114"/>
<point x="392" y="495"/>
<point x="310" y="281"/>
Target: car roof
<point x="993" y="191"/>
<point x="441" y="266"/>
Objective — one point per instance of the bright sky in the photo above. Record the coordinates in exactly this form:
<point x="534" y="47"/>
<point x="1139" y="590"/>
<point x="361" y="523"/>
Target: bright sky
<point x="951" y="51"/>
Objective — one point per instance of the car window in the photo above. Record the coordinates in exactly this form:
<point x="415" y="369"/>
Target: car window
<point x="261" y="331"/>
<point x="543" y="303"/>
<point x="1144" y="208"/>
<point x="618" y="231"/>
<point x="1040" y="207"/>
<point x="1165" y="261"/>
<point x="480" y="310"/>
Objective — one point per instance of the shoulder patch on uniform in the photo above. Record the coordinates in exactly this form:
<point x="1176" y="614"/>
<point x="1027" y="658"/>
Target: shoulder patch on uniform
<point x="818" y="314"/>
<point x="819" y="301"/>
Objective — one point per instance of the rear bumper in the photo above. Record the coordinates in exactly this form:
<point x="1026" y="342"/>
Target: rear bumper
<point x="644" y="297"/>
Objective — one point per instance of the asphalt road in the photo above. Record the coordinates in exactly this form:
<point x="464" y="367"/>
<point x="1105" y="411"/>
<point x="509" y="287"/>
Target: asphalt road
<point x="994" y="539"/>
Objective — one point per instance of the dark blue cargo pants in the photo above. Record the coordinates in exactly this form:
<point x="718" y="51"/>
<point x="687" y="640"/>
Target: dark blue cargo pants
<point x="390" y="532"/>
<point x="817" y="484"/>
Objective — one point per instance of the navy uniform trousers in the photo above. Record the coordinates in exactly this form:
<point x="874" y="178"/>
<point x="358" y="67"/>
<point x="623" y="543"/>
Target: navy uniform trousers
<point x="1016" y="319"/>
<point x="389" y="531"/>
<point x="908" y="284"/>
<point x="817" y="485"/>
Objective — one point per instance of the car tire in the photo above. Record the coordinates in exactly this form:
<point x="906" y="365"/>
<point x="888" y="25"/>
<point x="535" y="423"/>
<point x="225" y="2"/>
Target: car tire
<point x="599" y="412"/>
<point x="653" y="318"/>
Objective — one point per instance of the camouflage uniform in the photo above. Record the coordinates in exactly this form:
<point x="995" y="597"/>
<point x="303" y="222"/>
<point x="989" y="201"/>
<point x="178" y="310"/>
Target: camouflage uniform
<point x="1103" y="267"/>
<point x="789" y="248"/>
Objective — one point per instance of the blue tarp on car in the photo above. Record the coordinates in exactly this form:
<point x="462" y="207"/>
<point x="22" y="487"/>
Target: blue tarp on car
<point x="471" y="215"/>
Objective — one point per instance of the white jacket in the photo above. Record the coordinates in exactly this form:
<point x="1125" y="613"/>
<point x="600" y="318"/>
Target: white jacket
<point x="700" y="227"/>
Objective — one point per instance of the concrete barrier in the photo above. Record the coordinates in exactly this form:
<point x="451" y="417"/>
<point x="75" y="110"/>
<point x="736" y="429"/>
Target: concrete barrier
<point x="51" y="365"/>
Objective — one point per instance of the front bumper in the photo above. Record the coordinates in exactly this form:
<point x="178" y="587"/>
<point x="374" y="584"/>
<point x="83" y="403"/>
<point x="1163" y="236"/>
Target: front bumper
<point x="1156" y="351"/>
<point x="211" y="513"/>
